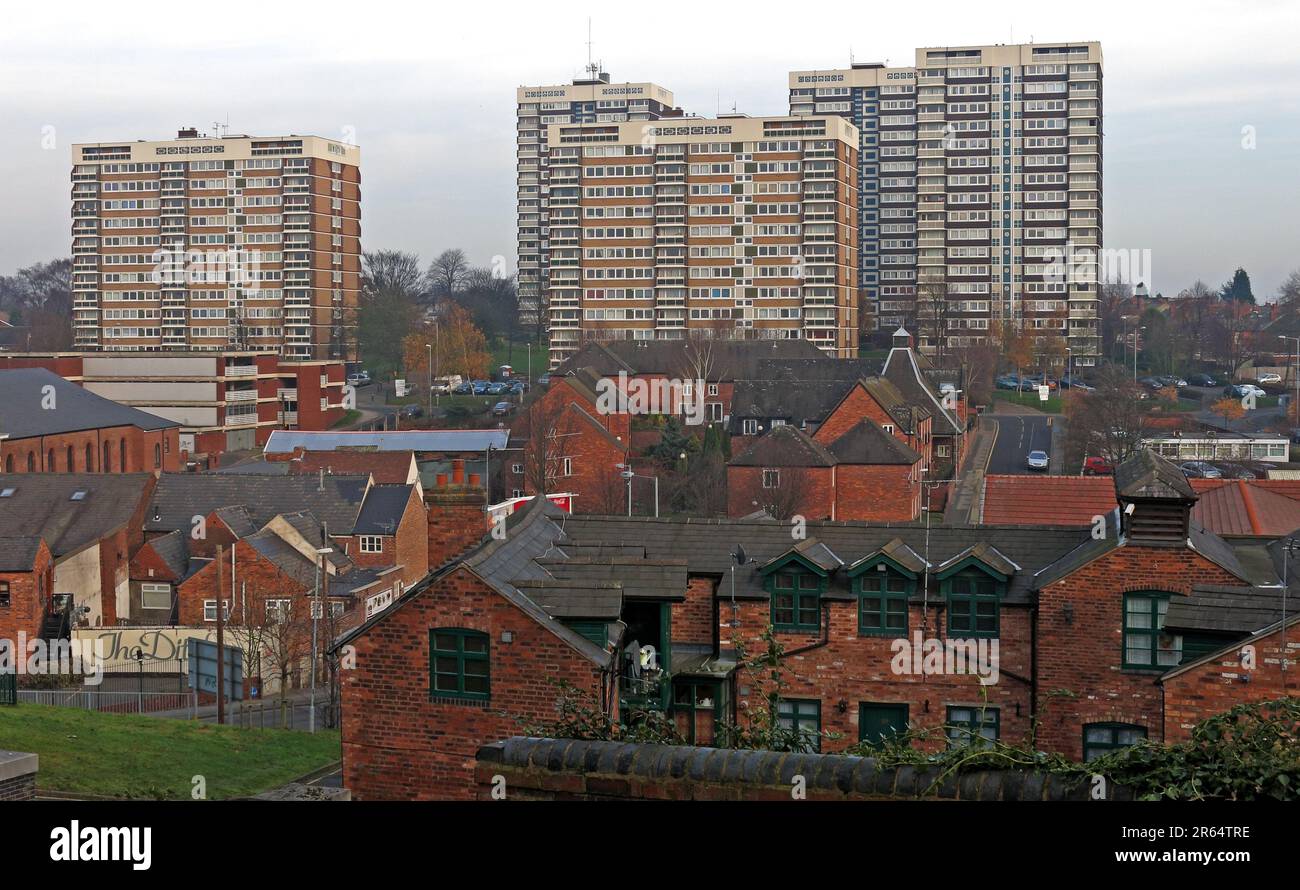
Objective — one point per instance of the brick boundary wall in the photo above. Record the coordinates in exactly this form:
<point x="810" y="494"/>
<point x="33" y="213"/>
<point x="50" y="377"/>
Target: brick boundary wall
<point x="569" y="769"/>
<point x="18" y="775"/>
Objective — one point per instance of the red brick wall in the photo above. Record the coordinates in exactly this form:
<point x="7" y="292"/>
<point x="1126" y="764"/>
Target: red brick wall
<point x="856" y="669"/>
<point x="397" y="744"/>
<point x="1080" y="650"/>
<point x="692" y="620"/>
<point x="593" y="457"/>
<point x="139" y="451"/>
<point x="456" y="522"/>
<point x="1224" y="682"/>
<point x="814" y="487"/>
<point x="879" y="493"/>
<point x="859" y="404"/>
<point x="29" y="594"/>
<point x="259" y="577"/>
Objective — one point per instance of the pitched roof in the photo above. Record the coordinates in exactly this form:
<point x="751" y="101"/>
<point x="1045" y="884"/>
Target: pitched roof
<point x="385" y="466"/>
<point x="42" y="504"/>
<point x="785" y="446"/>
<point x="591" y="599"/>
<point x="18" y="553"/>
<point x="382" y="510"/>
<point x="173" y="549"/>
<point x="1243" y="508"/>
<point x="179" y="497"/>
<point x="236" y="519"/>
<point x="899" y="552"/>
<point x="285" y="441"/>
<point x="1046" y="500"/>
<point x="796" y="402"/>
<point x="29" y="409"/>
<point x="1146" y="474"/>
<point x="287" y="559"/>
<point x="907" y="372"/>
<point x="867" y="443"/>
<point x="818" y="369"/>
<point x="1224" y="609"/>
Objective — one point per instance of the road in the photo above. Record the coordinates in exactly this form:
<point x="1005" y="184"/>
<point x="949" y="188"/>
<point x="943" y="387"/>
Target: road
<point x="1019" y="434"/>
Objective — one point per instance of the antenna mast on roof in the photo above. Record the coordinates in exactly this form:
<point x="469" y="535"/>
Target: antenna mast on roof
<point x="593" y="67"/>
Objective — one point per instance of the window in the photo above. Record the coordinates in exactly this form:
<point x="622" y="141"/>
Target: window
<point x="1102" y="738"/>
<point x="802" y="715"/>
<point x="70" y="468"/>
<point x="458" y="664"/>
<point x="1146" y="645"/>
<point x="771" y="478"/>
<point x="277" y="611"/>
<point x="159" y="596"/>
<point x="568" y="467"/>
<point x="372" y="544"/>
<point x="107" y="466"/>
<point x="713" y="389"/>
<point x="49" y="461"/>
<point x="972" y="726"/>
<point x="517" y="469"/>
<point x="121" y="455"/>
<point x="157" y="456"/>
<point x="336" y="608"/>
<point x="972" y="604"/>
<point x="31" y="461"/>
<point x="882" y="602"/>
<point x="4" y="594"/>
<point x="877" y="722"/>
<point x="749" y="426"/>
<point x="210" y="610"/>
<point x="9" y="463"/>
<point x="90" y="459"/>
<point x="796" y="601"/>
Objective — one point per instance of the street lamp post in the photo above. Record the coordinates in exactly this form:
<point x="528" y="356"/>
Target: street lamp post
<point x="429" y="376"/>
<point x="316" y="610"/>
<point x="1295" y="374"/>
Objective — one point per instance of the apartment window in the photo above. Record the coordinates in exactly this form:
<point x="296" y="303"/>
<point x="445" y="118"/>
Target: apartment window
<point x="771" y="478"/>
<point x="877" y="723"/>
<point x="1101" y="738"/>
<point x="972" y="726"/>
<point x="458" y="664"/>
<point x="517" y="469"/>
<point x="972" y="604"/>
<point x="4" y="594"/>
<point x="9" y="463"/>
<point x="713" y="389"/>
<point x="749" y="427"/>
<point x="372" y="544"/>
<point x="277" y="611"/>
<point x="159" y="596"/>
<point x="210" y="610"/>
<point x="796" y="600"/>
<point x="882" y="601"/>
<point x="1146" y="645"/>
<point x="804" y="716"/>
<point x="336" y="608"/>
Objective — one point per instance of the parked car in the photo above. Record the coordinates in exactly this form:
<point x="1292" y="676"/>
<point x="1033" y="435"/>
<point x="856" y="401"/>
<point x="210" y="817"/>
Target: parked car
<point x="1241" y="390"/>
<point x="1097" y="466"/>
<point x="1232" y="470"/>
<point x="503" y="409"/>
<point x="465" y="389"/>
<point x="1199" y="469"/>
<point x="1201" y="380"/>
<point x="1037" y="460"/>
<point x="496" y="389"/>
<point x="1269" y="377"/>
<point x="359" y="378"/>
<point x="544" y="380"/>
<point x="1152" y="382"/>
<point x="518" y="388"/>
<point x="412" y="411"/>
<point x="481" y="387"/>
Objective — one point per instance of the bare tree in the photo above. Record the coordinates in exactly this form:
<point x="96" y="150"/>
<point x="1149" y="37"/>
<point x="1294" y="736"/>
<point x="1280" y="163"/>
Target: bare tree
<point x="935" y="312"/>
<point x="447" y="272"/>
<point x="790" y="494"/>
<point x="392" y="270"/>
<point x="1106" y="422"/>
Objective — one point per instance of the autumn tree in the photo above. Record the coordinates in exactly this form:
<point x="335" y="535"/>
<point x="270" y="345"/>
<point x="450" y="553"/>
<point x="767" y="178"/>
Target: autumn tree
<point x="459" y="347"/>
<point x="1229" y="409"/>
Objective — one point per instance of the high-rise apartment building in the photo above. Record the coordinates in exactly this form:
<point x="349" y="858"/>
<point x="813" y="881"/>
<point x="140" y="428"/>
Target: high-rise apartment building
<point x="222" y="243"/>
<point x="980" y="190"/>
<point x="729" y="227"/>
<point x="590" y="100"/>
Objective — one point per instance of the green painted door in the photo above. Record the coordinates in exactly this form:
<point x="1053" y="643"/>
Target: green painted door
<point x="878" y="722"/>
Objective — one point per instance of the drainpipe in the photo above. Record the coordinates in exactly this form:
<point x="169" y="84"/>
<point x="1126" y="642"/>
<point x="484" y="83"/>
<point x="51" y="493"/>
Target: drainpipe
<point x="826" y="634"/>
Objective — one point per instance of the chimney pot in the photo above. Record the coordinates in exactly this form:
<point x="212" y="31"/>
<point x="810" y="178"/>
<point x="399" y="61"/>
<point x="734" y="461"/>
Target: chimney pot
<point x="475" y="480"/>
<point x="442" y="480"/>
<point x="458" y="471"/>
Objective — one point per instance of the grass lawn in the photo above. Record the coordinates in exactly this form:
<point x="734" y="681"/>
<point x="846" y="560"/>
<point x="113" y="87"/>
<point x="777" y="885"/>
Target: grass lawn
<point x="349" y="417"/>
<point x="517" y="358"/>
<point x="154" y="758"/>
<point x="1029" y="400"/>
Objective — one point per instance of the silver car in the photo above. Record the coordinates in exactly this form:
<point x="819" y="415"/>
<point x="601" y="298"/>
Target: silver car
<point x="1037" y="460"/>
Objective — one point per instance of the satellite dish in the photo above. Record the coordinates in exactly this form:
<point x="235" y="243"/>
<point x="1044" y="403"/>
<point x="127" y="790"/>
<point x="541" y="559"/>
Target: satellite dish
<point x="739" y="555"/>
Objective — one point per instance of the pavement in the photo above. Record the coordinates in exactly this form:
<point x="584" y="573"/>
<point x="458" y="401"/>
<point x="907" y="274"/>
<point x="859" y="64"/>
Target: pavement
<point x="963" y="502"/>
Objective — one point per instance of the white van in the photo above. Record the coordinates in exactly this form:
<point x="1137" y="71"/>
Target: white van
<point x="444" y="385"/>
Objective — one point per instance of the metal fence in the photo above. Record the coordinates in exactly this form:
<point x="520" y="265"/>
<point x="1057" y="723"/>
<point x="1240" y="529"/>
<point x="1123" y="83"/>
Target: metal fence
<point x="137" y="702"/>
<point x="272" y="713"/>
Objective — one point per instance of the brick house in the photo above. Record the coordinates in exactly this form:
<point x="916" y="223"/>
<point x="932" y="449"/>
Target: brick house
<point x="26" y="583"/>
<point x="1050" y="636"/>
<point x="92" y="524"/>
<point x="54" y="426"/>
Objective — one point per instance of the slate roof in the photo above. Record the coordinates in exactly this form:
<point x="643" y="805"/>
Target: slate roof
<point x="1224" y="609"/>
<point x="285" y="557"/>
<point x="785" y="446"/>
<point x="867" y="443"/>
<point x="173" y="549"/>
<point x="903" y="369"/>
<point x="796" y="402"/>
<point x="180" y="496"/>
<point x="898" y="551"/>
<point x="1146" y="474"/>
<point x="1231" y="648"/>
<point x="818" y="369"/>
<point x="727" y="359"/>
<point x="598" y="600"/>
<point x="42" y="504"/>
<point x="236" y="519"/>
<point x="382" y="510"/>
<point x="18" y="553"/>
<point x="23" y="413"/>
<point x="640" y="578"/>
<point x="285" y="441"/>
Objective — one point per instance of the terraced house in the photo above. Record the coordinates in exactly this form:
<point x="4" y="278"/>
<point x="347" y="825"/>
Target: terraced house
<point x="1072" y="643"/>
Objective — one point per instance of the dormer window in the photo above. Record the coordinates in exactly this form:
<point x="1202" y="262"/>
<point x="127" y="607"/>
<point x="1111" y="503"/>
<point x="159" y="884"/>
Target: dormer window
<point x="973" y="603"/>
<point x="796" y="600"/>
<point x="882" y="601"/>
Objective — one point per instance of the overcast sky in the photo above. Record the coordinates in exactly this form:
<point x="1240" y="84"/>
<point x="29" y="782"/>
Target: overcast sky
<point x="429" y="91"/>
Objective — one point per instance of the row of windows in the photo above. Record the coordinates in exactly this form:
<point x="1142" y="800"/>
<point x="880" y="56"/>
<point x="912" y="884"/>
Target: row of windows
<point x="69" y="459"/>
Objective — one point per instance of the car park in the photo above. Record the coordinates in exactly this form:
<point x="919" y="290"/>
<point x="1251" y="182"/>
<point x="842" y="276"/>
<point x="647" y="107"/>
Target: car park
<point x="1241" y="390"/>
<point x="1037" y="460"/>
<point x="1199" y="469"/>
<point x="1269" y="378"/>
<point x="502" y="409"/>
<point x="544" y="380"/>
<point x="481" y="387"/>
<point x="448" y="384"/>
<point x="1201" y="380"/>
<point x="496" y="389"/>
<point x="465" y="389"/>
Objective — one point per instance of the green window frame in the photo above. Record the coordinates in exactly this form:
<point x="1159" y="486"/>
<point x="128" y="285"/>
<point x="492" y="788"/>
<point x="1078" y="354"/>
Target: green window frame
<point x="972" y="725"/>
<point x="796" y="600"/>
<point x="1146" y="645"/>
<point x="1101" y="738"/>
<point x="871" y="716"/>
<point x="882" y="603"/>
<point x="697" y="696"/>
<point x="804" y="715"/>
<point x="974" y="604"/>
<point x="459" y="664"/>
